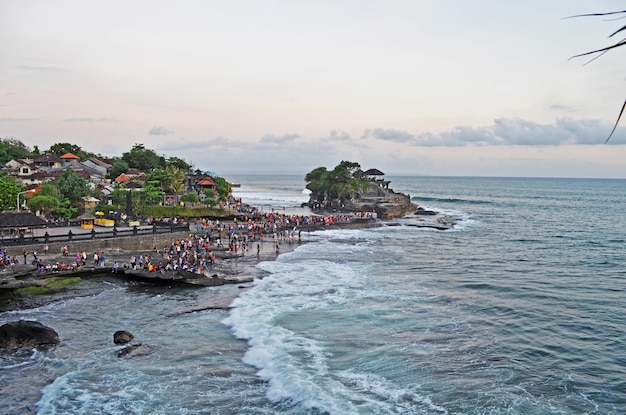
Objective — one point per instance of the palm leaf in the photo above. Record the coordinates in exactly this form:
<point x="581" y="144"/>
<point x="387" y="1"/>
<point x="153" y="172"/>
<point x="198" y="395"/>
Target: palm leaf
<point x="604" y="50"/>
<point x="616" y="122"/>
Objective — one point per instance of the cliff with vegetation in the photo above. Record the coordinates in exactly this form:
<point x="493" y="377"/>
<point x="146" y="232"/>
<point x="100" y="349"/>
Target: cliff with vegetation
<point x="347" y="188"/>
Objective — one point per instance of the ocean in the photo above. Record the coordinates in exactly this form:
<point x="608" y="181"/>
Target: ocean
<point x="520" y="309"/>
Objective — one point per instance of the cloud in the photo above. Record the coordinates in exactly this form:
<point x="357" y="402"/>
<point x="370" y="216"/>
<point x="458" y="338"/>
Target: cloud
<point x="159" y="131"/>
<point x="338" y="136"/>
<point x="10" y="119"/>
<point x="504" y="131"/>
<point x="198" y="146"/>
<point x="389" y="134"/>
<point x="587" y="131"/>
<point x="458" y="137"/>
<point x="89" y="120"/>
<point x="278" y="140"/>
<point x="40" y="68"/>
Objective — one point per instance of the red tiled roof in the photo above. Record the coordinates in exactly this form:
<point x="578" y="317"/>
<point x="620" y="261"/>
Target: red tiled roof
<point x="122" y="178"/>
<point x="69" y="156"/>
<point x="206" y="182"/>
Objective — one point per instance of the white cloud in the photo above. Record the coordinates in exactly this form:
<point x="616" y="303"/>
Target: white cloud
<point x="505" y="131"/>
<point x="159" y="131"/>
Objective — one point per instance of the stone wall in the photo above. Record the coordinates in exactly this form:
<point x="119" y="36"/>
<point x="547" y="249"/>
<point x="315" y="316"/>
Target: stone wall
<point x="107" y="245"/>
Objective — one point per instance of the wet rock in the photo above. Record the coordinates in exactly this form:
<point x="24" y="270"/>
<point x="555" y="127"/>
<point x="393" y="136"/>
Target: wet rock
<point x="135" y="350"/>
<point x="424" y="212"/>
<point x="26" y="333"/>
<point x="122" y="337"/>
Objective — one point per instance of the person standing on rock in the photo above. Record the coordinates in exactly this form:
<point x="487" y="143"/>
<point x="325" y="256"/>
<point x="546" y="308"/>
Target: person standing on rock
<point x="25" y="255"/>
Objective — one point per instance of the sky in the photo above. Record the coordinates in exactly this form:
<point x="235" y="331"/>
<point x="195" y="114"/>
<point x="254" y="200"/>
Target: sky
<point x="435" y="87"/>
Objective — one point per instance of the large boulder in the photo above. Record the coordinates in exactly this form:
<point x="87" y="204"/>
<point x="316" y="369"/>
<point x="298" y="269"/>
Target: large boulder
<point x="25" y="333"/>
<point x="122" y="337"/>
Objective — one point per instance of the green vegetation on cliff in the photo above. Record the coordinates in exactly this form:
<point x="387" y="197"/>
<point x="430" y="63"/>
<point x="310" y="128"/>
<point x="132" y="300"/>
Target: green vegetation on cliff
<point x="333" y="187"/>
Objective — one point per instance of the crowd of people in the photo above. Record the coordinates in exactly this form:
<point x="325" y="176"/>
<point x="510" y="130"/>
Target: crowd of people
<point x="196" y="253"/>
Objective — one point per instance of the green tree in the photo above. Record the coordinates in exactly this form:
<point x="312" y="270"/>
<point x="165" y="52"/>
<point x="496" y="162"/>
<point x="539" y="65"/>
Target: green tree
<point x="118" y="196"/>
<point x="119" y="167"/>
<point x="223" y="188"/>
<point x="9" y="189"/>
<point x="177" y="180"/>
<point x="210" y="197"/>
<point x="44" y="204"/>
<point x="11" y="148"/>
<point x="316" y="179"/>
<point x="152" y="193"/>
<point x="337" y="185"/>
<point x="49" y="189"/>
<point x="65" y="210"/>
<point x="72" y="187"/>
<point x="179" y="163"/>
<point x="190" y="197"/>
<point x="60" y="149"/>
<point x="160" y="178"/>
<point x="143" y="159"/>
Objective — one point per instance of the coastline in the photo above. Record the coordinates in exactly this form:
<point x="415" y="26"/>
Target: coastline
<point x="24" y="286"/>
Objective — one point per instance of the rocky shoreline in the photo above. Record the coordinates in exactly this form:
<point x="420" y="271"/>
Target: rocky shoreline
<point x="22" y="286"/>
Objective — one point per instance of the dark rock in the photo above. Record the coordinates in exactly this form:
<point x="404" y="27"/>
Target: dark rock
<point x="135" y="350"/>
<point x="25" y="333"/>
<point x="122" y="337"/>
<point x="424" y="212"/>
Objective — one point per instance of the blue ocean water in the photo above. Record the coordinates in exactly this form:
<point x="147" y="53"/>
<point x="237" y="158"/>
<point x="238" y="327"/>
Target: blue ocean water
<point x="518" y="310"/>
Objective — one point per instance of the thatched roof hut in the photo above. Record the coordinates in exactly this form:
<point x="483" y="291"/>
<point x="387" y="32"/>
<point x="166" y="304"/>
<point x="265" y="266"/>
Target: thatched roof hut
<point x="20" y="220"/>
<point x="374" y="172"/>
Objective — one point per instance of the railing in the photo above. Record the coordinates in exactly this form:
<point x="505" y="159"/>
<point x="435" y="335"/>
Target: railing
<point x="70" y="236"/>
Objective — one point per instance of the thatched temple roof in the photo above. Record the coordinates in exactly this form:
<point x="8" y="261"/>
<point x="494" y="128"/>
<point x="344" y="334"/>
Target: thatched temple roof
<point x="20" y="220"/>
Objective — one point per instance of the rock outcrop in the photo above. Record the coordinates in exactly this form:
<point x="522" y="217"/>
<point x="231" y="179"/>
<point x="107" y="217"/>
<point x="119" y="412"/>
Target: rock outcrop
<point x="131" y="350"/>
<point x="122" y="337"/>
<point x="26" y="333"/>
<point x="385" y="202"/>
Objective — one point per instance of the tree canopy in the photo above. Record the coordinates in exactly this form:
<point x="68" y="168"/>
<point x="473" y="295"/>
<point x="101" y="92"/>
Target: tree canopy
<point x="60" y="149"/>
<point x="178" y="163"/>
<point x="143" y="159"/>
<point x="337" y="184"/>
<point x="119" y="167"/>
<point x="9" y="189"/>
<point x="72" y="187"/>
<point x="11" y="148"/>
<point x="44" y="204"/>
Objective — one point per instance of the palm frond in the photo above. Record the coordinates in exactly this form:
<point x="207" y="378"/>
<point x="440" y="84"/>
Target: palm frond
<point x="616" y="122"/>
<point x="617" y="31"/>
<point x="602" y="51"/>
<point x="597" y="14"/>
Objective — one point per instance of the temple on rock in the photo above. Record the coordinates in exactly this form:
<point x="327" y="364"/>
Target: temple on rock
<point x="347" y="188"/>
